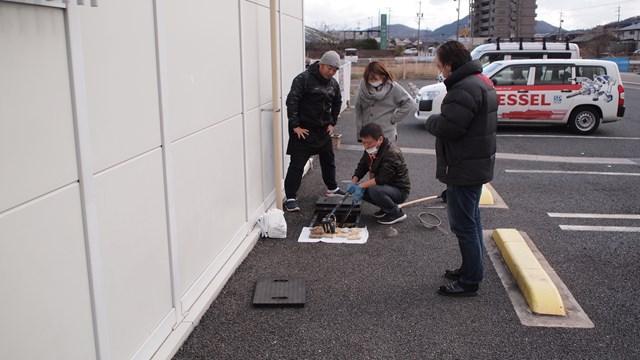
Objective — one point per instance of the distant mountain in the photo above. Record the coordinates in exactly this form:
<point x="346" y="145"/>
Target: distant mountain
<point x="312" y="35"/>
<point x="404" y="32"/>
<point x="546" y="28"/>
<point x="449" y="30"/>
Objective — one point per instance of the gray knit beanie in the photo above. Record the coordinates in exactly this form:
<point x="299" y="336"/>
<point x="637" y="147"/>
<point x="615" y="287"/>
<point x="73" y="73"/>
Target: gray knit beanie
<point x="331" y="58"/>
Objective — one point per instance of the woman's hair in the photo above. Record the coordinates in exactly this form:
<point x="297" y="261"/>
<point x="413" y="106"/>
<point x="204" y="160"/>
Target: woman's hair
<point x="453" y="53"/>
<point x="371" y="130"/>
<point x="378" y="68"/>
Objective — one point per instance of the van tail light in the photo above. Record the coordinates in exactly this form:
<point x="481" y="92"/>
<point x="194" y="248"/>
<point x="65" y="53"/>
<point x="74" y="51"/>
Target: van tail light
<point x="620" y="95"/>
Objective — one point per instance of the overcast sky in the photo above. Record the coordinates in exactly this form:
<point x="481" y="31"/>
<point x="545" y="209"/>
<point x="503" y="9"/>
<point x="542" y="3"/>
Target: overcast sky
<point x="354" y="14"/>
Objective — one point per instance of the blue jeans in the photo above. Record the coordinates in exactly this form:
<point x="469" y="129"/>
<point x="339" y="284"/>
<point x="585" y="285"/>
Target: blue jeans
<point x="386" y="197"/>
<point x="463" y="209"/>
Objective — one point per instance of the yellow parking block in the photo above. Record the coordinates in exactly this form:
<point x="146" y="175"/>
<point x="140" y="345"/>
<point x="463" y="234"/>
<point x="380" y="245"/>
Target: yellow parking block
<point x="534" y="283"/>
<point x="485" y="196"/>
<point x="540" y="292"/>
<point x="518" y="256"/>
<point x="502" y="236"/>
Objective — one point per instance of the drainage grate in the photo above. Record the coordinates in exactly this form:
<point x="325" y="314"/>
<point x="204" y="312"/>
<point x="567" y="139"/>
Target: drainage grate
<point x="279" y="291"/>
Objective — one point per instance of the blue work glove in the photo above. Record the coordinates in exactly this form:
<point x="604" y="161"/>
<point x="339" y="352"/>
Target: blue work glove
<point x="357" y="195"/>
<point x="351" y="188"/>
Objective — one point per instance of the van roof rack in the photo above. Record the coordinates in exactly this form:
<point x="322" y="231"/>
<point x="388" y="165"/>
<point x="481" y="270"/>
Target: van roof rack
<point x="533" y="39"/>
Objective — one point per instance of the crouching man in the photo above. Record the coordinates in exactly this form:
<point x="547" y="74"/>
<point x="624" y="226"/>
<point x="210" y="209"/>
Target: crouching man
<point x="388" y="184"/>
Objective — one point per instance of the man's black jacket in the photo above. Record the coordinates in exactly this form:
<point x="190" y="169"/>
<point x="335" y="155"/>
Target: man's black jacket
<point x="465" y="130"/>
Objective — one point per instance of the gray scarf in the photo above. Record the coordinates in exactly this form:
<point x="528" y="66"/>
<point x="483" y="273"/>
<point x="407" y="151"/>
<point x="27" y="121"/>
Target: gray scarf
<point x="373" y="96"/>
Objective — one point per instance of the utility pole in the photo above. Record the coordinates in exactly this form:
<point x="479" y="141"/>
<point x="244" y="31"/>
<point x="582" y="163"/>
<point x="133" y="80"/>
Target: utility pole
<point x="560" y="29"/>
<point x="389" y="16"/>
<point x="458" y="22"/>
<point x="419" y="18"/>
<point x="470" y="19"/>
<point x="618" y="25"/>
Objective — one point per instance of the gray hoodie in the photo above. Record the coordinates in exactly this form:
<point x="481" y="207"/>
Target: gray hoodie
<point x="385" y="107"/>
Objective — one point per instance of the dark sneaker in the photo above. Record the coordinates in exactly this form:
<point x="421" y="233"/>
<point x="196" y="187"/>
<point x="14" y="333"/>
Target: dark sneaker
<point x="393" y="218"/>
<point x="458" y="289"/>
<point x="291" y="205"/>
<point x="379" y="214"/>
<point x="336" y="192"/>
<point x="452" y="274"/>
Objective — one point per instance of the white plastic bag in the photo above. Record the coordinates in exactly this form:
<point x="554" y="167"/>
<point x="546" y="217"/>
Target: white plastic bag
<point x="272" y="224"/>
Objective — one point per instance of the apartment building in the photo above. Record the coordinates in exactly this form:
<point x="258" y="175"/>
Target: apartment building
<point x="503" y="18"/>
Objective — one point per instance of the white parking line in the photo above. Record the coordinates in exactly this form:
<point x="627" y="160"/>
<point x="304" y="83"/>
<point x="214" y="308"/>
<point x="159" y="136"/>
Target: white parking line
<point x="600" y="228"/>
<point x="523" y="157"/>
<point x="576" y="137"/>
<point x="595" y="216"/>
<point x="572" y="172"/>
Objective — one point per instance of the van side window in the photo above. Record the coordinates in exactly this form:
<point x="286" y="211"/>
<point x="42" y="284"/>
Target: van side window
<point x="589" y="71"/>
<point x="526" y="55"/>
<point x="552" y="74"/>
<point x="512" y="75"/>
<point x="559" y="55"/>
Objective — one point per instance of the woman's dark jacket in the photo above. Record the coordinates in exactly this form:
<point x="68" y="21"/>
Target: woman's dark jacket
<point x="313" y="103"/>
<point x="465" y="130"/>
<point x="387" y="167"/>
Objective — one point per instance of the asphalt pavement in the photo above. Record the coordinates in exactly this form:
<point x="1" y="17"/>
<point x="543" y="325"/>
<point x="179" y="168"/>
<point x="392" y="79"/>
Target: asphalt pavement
<point x="378" y="300"/>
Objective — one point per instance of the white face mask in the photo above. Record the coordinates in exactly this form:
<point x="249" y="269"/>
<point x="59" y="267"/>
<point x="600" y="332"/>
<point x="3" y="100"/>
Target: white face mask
<point x="372" y="151"/>
<point x="375" y="84"/>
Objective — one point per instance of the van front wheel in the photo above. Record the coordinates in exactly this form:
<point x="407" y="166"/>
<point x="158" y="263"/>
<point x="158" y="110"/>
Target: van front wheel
<point x="584" y="120"/>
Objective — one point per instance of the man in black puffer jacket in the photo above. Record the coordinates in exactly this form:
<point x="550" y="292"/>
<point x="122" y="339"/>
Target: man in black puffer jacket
<point x="465" y="132"/>
<point x="313" y="106"/>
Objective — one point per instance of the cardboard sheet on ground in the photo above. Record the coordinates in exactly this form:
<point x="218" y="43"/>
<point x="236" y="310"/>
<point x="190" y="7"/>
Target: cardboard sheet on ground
<point x="304" y="237"/>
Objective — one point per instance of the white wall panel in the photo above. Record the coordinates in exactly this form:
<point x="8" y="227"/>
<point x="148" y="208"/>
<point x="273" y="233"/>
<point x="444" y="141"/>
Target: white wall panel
<point x="292" y="8"/>
<point x="256" y="51"/>
<point x="134" y="249"/>
<point x="203" y="62"/>
<point x="255" y="160"/>
<point x="210" y="195"/>
<point x="122" y="92"/>
<point x="292" y="44"/>
<point x="267" y="158"/>
<point x="264" y="3"/>
<point x="45" y="302"/>
<point x="37" y="149"/>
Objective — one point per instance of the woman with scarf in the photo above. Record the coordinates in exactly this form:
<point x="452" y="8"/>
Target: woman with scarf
<point x="382" y="101"/>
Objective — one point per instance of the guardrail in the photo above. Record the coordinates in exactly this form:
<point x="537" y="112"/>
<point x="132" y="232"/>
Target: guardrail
<point x="625" y="64"/>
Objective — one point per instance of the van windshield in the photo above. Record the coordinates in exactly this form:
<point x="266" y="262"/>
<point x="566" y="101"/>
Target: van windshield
<point x="489" y="68"/>
<point x="475" y="53"/>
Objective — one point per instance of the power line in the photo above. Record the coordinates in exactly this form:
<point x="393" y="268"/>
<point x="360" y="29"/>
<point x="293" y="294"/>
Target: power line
<point x="594" y="6"/>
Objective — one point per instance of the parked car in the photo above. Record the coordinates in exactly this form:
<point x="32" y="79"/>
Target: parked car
<point x="410" y="52"/>
<point x="637" y="52"/>
<point x="578" y="93"/>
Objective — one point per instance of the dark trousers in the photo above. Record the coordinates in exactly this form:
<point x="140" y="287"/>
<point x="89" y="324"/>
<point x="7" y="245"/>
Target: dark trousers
<point x="463" y="209"/>
<point x="296" y="169"/>
<point x="386" y="197"/>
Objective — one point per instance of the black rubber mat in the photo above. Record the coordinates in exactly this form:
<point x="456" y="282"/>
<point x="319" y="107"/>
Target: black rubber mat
<point x="279" y="291"/>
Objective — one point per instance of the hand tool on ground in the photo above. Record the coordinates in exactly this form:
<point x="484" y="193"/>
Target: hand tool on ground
<point x="328" y="222"/>
<point x="416" y="201"/>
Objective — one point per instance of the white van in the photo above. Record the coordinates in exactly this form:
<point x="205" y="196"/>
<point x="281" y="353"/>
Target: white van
<point x="351" y="55"/>
<point x="578" y="93"/>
